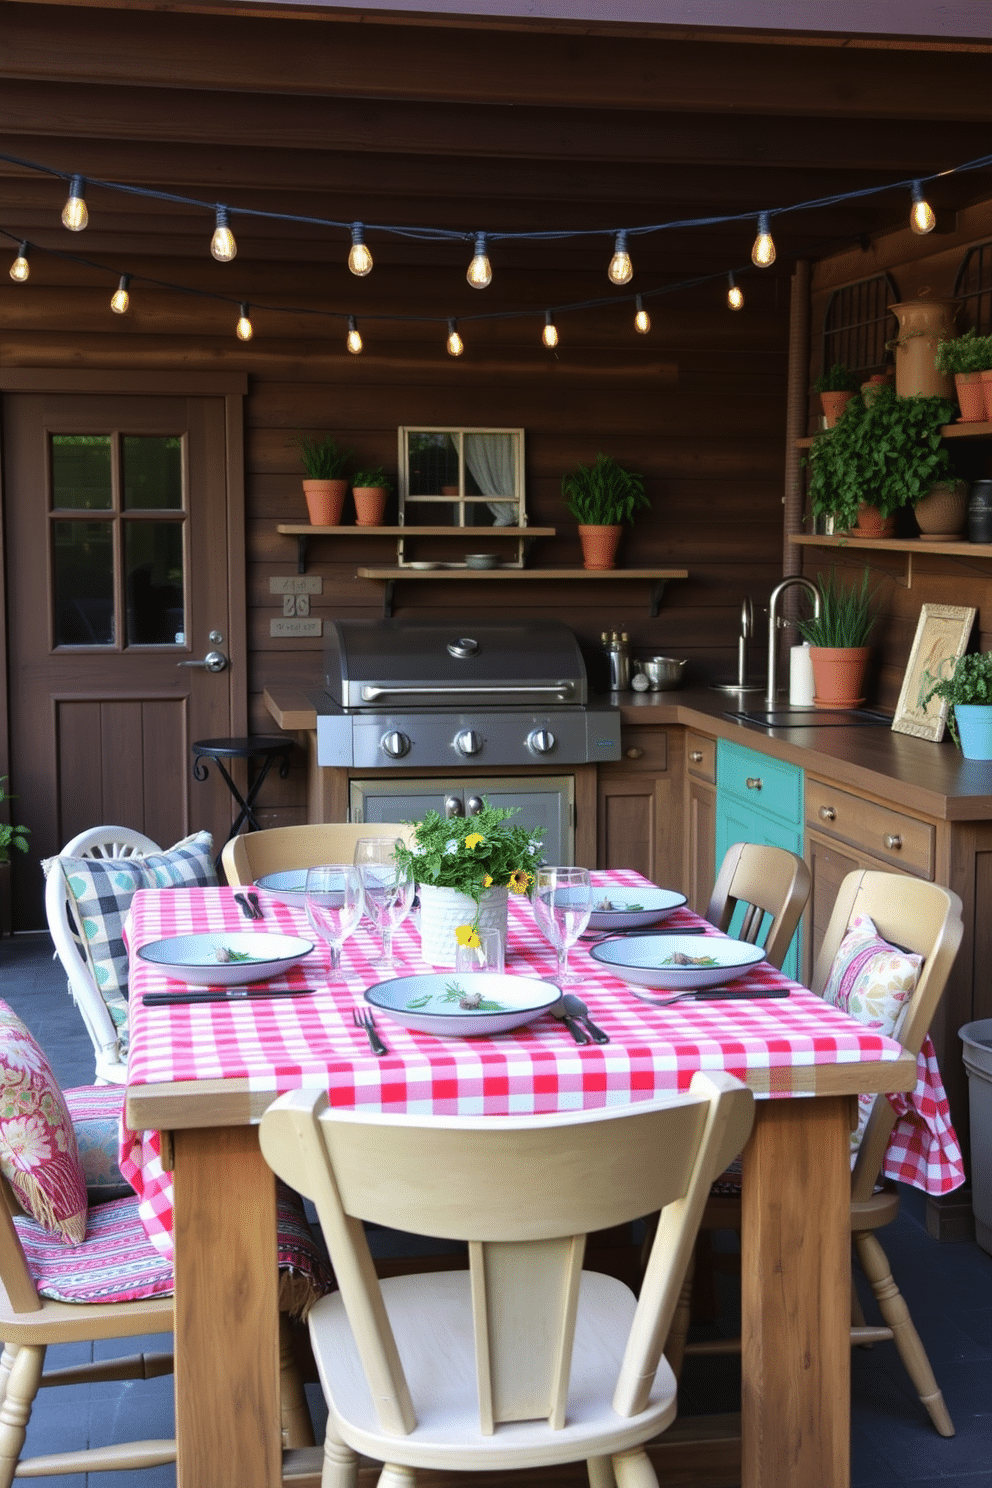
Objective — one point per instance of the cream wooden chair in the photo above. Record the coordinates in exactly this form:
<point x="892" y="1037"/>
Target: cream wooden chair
<point x="247" y="856"/>
<point x="767" y="881"/>
<point x="524" y="1360"/>
<point x="920" y="917"/>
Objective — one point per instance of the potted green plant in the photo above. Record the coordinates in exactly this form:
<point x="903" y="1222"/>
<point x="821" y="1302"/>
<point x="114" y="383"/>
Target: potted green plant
<point x="10" y="836"/>
<point x="882" y="456"/>
<point x="370" y="489"/>
<point x="326" y="482"/>
<point x="601" y="497"/>
<point x="969" y="358"/>
<point x="836" y="386"/>
<point x="838" y="641"/>
<point x="968" y="692"/>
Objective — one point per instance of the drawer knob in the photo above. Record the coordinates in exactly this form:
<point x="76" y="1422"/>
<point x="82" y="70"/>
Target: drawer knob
<point x="827" y="813"/>
<point x="892" y="841"/>
<point x="753" y="782"/>
<point x="634" y="752"/>
<point x="696" y="755"/>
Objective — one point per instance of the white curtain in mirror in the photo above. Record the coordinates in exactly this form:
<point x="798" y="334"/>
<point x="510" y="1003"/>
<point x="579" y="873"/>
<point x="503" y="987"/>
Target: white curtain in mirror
<point x="491" y="459"/>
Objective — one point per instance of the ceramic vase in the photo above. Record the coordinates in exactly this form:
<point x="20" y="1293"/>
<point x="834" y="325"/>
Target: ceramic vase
<point x="974" y="725"/>
<point x="839" y="675"/>
<point x="942" y="512"/>
<point x="971" y="396"/>
<point x="980" y="512"/>
<point x="443" y="910"/>
<point x="599" y="545"/>
<point x="370" y="505"/>
<point x="325" y="501"/>
<point x="922" y="324"/>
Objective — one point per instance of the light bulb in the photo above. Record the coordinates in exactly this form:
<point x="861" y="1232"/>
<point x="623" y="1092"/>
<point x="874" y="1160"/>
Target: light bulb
<point x="642" y="320"/>
<point x="735" y="297"/>
<point x="550" y="333"/>
<point x="20" y="269"/>
<point x="121" y="299"/>
<point x="921" y="218"/>
<point x="245" y="328"/>
<point x="621" y="270"/>
<point x="763" y="252"/>
<point x="480" y="270"/>
<point x="74" y="214"/>
<point x="354" y="339"/>
<point x="455" y="343"/>
<point x="359" y="259"/>
<point x="222" y="244"/>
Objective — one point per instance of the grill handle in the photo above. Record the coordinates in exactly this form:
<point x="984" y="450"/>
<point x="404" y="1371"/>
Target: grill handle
<point x="561" y="692"/>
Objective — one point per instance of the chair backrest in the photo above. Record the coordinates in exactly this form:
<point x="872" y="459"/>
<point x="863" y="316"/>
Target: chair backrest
<point x="247" y="856"/>
<point x="523" y="1192"/>
<point x="67" y="937"/>
<point x="767" y="881"/>
<point x="915" y="916"/>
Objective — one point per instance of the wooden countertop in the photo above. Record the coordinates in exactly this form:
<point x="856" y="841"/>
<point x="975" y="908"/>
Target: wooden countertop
<point x="929" y="778"/>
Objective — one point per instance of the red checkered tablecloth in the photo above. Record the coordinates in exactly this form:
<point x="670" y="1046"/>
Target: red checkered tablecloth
<point x="286" y="1043"/>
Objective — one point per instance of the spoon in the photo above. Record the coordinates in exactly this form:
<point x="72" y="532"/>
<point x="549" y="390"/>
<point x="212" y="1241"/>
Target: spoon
<point x="246" y="908"/>
<point x="557" y="1010"/>
<point x="577" y="1008"/>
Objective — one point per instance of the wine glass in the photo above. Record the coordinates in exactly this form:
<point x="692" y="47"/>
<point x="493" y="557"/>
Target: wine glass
<point x="334" y="902"/>
<point x="388" y="887"/>
<point x="562" y="906"/>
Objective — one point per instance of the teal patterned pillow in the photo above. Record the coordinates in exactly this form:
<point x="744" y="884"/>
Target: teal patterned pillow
<point x="101" y="890"/>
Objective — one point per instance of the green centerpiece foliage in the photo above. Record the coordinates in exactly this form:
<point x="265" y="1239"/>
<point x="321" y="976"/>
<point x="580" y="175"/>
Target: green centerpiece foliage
<point x="372" y="478"/>
<point x="472" y="854"/>
<point x="604" y="494"/>
<point x="970" y="682"/>
<point x="845" y="619"/>
<point x="10" y="836"/>
<point x="837" y="379"/>
<point x="968" y="353"/>
<point x="323" y="460"/>
<point x="885" y="453"/>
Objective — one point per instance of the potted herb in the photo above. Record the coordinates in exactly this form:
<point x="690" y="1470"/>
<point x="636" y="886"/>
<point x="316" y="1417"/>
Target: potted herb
<point x="370" y="489"/>
<point x="10" y="836"/>
<point x="601" y="497"/>
<point x="879" y="458"/>
<point x="836" y="387"/>
<point x="838" y="641"/>
<point x="968" y="691"/>
<point x="969" y="358"/>
<point x="326" y="483"/>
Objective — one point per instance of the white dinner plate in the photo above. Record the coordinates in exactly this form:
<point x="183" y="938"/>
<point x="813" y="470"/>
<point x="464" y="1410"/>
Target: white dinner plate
<point x="632" y="909"/>
<point x="193" y="958"/>
<point x="288" y="886"/>
<point x="647" y="960"/>
<point x="432" y="1003"/>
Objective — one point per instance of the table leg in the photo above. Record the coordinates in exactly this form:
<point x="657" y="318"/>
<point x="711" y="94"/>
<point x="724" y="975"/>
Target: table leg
<point x="796" y="1287"/>
<point x="227" y="1328"/>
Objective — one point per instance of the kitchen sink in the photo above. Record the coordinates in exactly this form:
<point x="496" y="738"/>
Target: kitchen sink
<point x="792" y="718"/>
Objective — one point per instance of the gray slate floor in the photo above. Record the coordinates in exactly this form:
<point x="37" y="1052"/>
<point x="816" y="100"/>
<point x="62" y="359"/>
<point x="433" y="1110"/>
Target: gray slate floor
<point x="948" y="1288"/>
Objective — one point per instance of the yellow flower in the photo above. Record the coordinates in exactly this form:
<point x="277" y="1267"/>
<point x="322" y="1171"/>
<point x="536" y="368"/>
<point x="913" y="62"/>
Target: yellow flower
<point x="466" y="936"/>
<point x="487" y="881"/>
<point x="520" y="881"/>
<point x="473" y="840"/>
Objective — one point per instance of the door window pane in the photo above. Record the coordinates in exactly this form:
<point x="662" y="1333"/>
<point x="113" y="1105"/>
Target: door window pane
<point x="153" y="567"/>
<point x="83" y="565"/>
<point x="81" y="472"/>
<point x="152" y="472"/>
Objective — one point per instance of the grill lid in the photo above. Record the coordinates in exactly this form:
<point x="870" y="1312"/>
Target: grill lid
<point x="377" y="664"/>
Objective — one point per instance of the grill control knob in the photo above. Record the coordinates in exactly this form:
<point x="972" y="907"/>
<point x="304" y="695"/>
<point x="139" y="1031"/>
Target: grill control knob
<point x="395" y="744"/>
<point x="468" y="742"/>
<point x="542" y="741"/>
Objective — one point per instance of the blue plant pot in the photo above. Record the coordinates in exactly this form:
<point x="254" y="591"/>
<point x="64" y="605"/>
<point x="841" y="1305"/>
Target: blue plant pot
<point x="974" y="721"/>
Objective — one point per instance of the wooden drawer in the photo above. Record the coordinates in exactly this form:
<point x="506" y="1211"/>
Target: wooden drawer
<point x="644" y="748"/>
<point x="767" y="785"/>
<point x="700" y="756"/>
<point x="887" y="834"/>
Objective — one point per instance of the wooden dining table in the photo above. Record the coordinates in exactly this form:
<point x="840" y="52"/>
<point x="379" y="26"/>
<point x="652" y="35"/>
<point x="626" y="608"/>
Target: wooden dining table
<point x="201" y="1076"/>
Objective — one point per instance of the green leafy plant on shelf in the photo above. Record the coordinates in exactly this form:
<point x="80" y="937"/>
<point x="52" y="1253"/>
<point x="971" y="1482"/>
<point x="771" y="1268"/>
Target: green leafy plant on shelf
<point x="604" y="494"/>
<point x="845" y="620"/>
<point x="375" y="479"/>
<point x="10" y="836"/>
<point x="837" y="379"/>
<point x="969" y="683"/>
<point x="323" y="459"/>
<point x="886" y="453"/>
<point x="967" y="353"/>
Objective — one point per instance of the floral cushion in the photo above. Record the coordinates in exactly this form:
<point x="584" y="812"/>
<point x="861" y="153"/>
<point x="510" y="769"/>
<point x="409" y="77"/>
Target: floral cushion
<point x="39" y="1155"/>
<point x="96" y="1113"/>
<point x="101" y="890"/>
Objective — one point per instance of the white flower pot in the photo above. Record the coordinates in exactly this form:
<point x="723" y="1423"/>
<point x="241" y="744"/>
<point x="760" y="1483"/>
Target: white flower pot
<point x="443" y="910"/>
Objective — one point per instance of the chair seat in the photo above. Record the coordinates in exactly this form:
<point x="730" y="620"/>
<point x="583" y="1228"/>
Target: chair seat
<point x="431" y="1316"/>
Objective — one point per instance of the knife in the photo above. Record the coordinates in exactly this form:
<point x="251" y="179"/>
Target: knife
<point x="222" y="994"/>
<point x="704" y="994"/>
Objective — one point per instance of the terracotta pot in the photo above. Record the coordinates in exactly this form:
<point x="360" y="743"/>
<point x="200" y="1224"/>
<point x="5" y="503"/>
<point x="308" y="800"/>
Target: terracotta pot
<point x="833" y="405"/>
<point x="599" y="545"/>
<point x="922" y="323"/>
<point x="871" y="523"/>
<point x="839" y="675"/>
<point x="370" y="505"/>
<point x="941" y="514"/>
<point x="325" y="501"/>
<point x="987" y="390"/>
<point x="871" y="388"/>
<point x="971" y="396"/>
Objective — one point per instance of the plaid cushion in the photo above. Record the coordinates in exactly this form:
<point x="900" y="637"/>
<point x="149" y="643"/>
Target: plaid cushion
<point x="96" y="1115"/>
<point x="102" y="889"/>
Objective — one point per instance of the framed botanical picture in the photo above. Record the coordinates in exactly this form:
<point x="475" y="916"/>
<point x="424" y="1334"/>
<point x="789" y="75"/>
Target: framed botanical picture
<point x="941" y="637"/>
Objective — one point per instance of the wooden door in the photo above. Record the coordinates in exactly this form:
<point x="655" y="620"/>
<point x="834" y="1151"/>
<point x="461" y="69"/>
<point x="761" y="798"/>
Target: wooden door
<point x="122" y="560"/>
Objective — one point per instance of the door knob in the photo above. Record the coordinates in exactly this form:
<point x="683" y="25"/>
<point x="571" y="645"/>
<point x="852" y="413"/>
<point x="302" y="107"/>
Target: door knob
<point x="214" y="661"/>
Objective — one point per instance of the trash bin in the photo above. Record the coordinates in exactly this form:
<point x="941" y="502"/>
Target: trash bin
<point x="977" y="1040"/>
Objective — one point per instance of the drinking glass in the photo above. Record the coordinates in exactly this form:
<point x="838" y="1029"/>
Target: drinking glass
<point x="388" y="888"/>
<point x="488" y="955"/>
<point x="334" y="902"/>
<point x="562" y="906"/>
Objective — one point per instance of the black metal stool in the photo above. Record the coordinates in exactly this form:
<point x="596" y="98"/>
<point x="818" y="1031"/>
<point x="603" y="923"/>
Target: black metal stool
<point x="256" y="746"/>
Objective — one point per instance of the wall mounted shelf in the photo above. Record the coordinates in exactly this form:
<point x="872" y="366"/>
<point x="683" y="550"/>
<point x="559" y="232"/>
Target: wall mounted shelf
<point x="910" y="546"/>
<point x="966" y="429"/>
<point x="657" y="577"/>
<point x="303" y="532"/>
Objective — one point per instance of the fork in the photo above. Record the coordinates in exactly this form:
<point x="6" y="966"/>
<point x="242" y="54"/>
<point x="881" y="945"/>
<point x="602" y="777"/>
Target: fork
<point x="362" y="1018"/>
